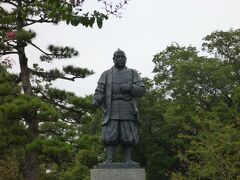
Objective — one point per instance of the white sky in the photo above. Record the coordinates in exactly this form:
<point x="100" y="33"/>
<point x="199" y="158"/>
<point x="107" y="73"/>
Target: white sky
<point x="146" y="28"/>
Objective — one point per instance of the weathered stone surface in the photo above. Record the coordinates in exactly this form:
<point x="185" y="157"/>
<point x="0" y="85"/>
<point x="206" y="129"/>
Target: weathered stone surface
<point x="117" y="165"/>
<point x="118" y="174"/>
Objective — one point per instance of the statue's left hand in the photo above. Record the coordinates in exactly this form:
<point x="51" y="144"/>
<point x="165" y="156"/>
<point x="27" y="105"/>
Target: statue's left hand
<point x="126" y="88"/>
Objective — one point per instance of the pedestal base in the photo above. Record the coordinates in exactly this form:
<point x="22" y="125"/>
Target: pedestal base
<point x="118" y="174"/>
<point x="134" y="165"/>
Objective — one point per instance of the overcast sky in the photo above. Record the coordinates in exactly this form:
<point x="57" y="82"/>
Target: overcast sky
<point x="146" y="28"/>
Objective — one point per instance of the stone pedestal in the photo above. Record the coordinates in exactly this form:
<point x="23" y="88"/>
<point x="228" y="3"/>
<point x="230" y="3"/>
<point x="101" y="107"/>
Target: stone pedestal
<point x="117" y="171"/>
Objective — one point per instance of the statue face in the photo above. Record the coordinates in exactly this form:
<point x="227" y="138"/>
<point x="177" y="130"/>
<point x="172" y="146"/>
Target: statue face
<point x="119" y="59"/>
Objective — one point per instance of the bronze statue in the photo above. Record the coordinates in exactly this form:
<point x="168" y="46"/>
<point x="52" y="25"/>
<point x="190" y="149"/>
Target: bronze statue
<point x="116" y="90"/>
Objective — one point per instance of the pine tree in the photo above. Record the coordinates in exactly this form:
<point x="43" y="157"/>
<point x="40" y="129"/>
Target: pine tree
<point x="48" y="118"/>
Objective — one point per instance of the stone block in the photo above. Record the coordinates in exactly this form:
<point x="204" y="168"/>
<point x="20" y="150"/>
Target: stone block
<point x="118" y="174"/>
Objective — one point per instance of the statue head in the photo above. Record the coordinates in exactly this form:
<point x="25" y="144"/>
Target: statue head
<point x="119" y="58"/>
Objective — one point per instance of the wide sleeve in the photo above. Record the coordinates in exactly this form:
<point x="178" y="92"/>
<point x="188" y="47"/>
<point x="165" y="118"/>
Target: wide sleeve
<point x="138" y="88"/>
<point x="99" y="94"/>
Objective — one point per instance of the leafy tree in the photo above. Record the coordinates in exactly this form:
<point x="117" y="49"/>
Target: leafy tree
<point x="161" y="120"/>
<point x="47" y="118"/>
<point x="153" y="151"/>
<point x="214" y="152"/>
<point x="225" y="46"/>
<point x="201" y="117"/>
<point x="190" y="115"/>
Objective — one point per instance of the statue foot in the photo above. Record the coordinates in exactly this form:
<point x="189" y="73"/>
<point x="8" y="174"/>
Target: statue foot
<point x="131" y="162"/>
<point x="107" y="162"/>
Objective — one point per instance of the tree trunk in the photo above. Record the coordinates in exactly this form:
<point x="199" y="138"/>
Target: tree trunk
<point x="31" y="165"/>
<point x="31" y="162"/>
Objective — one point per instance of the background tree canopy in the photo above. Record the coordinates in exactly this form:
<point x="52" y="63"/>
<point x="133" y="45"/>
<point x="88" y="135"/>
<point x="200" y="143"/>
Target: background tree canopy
<point x="190" y="115"/>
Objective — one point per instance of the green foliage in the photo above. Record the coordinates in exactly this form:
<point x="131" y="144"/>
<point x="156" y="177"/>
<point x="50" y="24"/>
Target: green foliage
<point x="58" y="53"/>
<point x="196" y="134"/>
<point x="41" y="125"/>
<point x="77" y="71"/>
<point x="9" y="170"/>
<point x="68" y="143"/>
<point x="52" y="148"/>
<point x="12" y="131"/>
<point x="89" y="153"/>
<point x="214" y="152"/>
<point x="224" y="45"/>
<point x="24" y="107"/>
<point x="154" y="150"/>
<point x="76" y="172"/>
<point x="25" y="35"/>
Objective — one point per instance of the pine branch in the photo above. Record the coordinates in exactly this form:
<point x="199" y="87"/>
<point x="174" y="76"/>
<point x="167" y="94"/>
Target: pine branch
<point x="9" y="94"/>
<point x="66" y="78"/>
<point x="71" y="122"/>
<point x="7" y="28"/>
<point x="48" y="76"/>
<point x="77" y="71"/>
<point x="9" y="2"/>
<point x="44" y="75"/>
<point x="8" y="52"/>
<point x="43" y="132"/>
<point x="55" y="103"/>
<point x="41" y="20"/>
<point x="28" y="2"/>
<point x="58" y="52"/>
<point x="12" y="45"/>
<point x="34" y="45"/>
